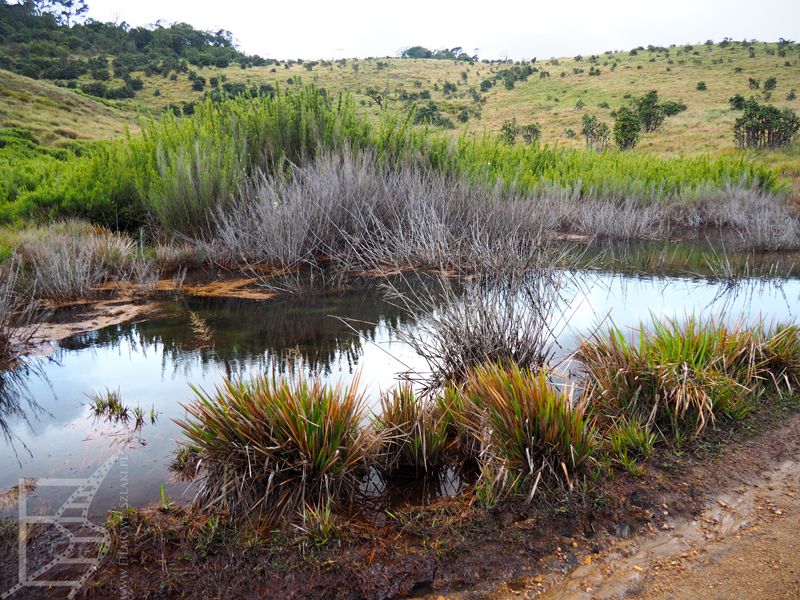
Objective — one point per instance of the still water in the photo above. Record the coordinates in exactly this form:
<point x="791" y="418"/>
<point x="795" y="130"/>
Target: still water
<point x="52" y="434"/>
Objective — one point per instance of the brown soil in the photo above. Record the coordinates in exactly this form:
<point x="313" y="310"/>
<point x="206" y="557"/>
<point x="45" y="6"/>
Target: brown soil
<point x="718" y="523"/>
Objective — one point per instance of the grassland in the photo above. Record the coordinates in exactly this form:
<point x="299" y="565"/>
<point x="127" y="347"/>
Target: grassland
<point x="704" y="127"/>
<point x="57" y="116"/>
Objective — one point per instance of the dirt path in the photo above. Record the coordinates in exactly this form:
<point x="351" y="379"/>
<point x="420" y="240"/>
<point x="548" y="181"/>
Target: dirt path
<point x="746" y="544"/>
<point x="743" y="541"/>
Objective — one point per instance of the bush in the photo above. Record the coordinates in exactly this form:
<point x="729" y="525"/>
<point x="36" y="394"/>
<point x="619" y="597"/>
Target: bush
<point x="701" y="86"/>
<point x="626" y="128"/>
<point x="791" y="96"/>
<point x="737" y="102"/>
<point x="672" y="108"/>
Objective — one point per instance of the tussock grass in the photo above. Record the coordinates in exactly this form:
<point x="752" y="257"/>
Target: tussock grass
<point x="415" y="432"/>
<point x="535" y="430"/>
<point x="780" y="356"/>
<point x="676" y="376"/>
<point x="266" y="448"/>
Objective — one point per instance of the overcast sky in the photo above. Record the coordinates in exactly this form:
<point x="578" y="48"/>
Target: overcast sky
<point x="497" y="29"/>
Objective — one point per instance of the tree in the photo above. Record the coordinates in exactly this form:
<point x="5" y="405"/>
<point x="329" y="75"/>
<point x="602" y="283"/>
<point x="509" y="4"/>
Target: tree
<point x="531" y="132"/>
<point x="651" y="114"/>
<point x="70" y="10"/>
<point x="765" y="126"/>
<point x="375" y="95"/>
<point x="626" y="128"/>
<point x="595" y="132"/>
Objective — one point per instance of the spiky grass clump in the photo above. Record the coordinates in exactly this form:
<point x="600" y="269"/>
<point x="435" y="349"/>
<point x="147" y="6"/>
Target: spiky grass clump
<point x="677" y="376"/>
<point x="534" y="429"/>
<point x="268" y="447"/>
<point x="780" y="355"/>
<point x="415" y="433"/>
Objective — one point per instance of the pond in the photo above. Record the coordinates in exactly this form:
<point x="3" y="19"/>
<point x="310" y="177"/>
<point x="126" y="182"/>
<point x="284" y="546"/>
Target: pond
<point x="202" y="341"/>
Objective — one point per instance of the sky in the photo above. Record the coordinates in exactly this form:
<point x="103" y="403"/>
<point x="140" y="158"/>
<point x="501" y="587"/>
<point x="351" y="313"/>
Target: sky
<point x="313" y="29"/>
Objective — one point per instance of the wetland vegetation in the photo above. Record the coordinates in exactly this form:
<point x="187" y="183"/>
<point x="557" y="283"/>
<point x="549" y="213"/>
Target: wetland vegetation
<point x="445" y="332"/>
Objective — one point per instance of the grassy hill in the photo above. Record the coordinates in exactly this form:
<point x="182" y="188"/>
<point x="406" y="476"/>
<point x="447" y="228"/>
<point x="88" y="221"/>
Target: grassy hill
<point x="57" y="115"/>
<point x="556" y="102"/>
<point x="706" y="125"/>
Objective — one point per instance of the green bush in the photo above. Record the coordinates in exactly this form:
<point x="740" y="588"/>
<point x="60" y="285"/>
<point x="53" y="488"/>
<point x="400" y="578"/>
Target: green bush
<point x="701" y="86"/>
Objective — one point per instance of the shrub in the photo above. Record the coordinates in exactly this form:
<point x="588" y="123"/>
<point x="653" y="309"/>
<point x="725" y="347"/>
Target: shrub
<point x="626" y="128"/>
<point x="791" y="96"/>
<point x="265" y="448"/>
<point x="765" y="126"/>
<point x="753" y="83"/>
<point x="701" y="86"/>
<point x="737" y="102"/>
<point x="770" y="84"/>
<point x="672" y="108"/>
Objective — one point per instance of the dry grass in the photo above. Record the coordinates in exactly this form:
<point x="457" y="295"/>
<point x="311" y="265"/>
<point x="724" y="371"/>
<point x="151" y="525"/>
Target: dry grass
<point x="67" y="260"/>
<point x="58" y="116"/>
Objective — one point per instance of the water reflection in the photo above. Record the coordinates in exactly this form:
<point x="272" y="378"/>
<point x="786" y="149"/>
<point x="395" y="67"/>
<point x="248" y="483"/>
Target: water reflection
<point x="202" y="341"/>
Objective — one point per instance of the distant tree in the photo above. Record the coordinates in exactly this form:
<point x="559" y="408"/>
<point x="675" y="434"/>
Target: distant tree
<point x="770" y="84"/>
<point x="595" y="132"/>
<point x="753" y="83"/>
<point x="70" y="11"/>
<point x="531" y="132"/>
<point x="651" y="114"/>
<point x="765" y="126"/>
<point x="791" y="96"/>
<point x="509" y="131"/>
<point x="701" y="86"/>
<point x="626" y="128"/>
<point x="375" y="95"/>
